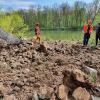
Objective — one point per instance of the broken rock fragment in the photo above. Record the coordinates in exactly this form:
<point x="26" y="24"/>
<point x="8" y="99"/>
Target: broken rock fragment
<point x="81" y="94"/>
<point x="62" y="93"/>
<point x="45" y="92"/>
<point x="79" y="75"/>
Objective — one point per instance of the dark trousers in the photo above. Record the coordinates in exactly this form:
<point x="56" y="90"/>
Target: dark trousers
<point x="97" y="38"/>
<point x="86" y="38"/>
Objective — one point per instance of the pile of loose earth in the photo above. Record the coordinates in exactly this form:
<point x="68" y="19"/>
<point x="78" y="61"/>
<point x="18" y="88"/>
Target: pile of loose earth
<point x="30" y="70"/>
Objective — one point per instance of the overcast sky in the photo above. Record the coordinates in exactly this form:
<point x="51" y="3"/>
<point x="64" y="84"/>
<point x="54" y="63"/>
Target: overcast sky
<point x="25" y="4"/>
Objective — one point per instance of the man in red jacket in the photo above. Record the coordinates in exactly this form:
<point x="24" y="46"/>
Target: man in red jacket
<point x="88" y="29"/>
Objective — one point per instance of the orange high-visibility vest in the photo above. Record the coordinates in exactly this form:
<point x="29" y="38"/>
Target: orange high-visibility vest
<point x="85" y="28"/>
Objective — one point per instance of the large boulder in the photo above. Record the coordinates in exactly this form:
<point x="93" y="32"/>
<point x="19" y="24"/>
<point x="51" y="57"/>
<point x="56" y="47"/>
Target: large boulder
<point x="45" y="92"/>
<point x="62" y="93"/>
<point x="9" y="38"/>
<point x="79" y="75"/>
<point x="10" y="97"/>
<point x="92" y="74"/>
<point x="2" y="89"/>
<point x="81" y="94"/>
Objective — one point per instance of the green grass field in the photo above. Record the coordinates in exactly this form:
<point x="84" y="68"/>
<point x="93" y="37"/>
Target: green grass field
<point x="62" y="35"/>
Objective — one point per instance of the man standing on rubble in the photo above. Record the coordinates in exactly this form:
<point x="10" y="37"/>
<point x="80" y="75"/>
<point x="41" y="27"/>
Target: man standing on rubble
<point x="88" y="29"/>
<point x="37" y="32"/>
<point x="97" y="33"/>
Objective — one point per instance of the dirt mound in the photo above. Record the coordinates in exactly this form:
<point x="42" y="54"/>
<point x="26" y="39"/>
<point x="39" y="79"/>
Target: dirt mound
<point x="25" y="67"/>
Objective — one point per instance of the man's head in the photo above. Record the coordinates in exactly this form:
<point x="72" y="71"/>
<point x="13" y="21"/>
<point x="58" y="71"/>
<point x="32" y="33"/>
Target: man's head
<point x="89" y="22"/>
<point x="37" y="24"/>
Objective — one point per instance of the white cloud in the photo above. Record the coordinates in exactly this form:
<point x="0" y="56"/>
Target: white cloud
<point x="16" y="4"/>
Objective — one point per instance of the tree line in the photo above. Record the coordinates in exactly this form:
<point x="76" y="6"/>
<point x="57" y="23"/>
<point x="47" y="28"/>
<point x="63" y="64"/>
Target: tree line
<point x="61" y="16"/>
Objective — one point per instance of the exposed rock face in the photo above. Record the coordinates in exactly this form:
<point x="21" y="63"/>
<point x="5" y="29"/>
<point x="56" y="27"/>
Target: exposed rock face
<point x="9" y="38"/>
<point x="26" y="67"/>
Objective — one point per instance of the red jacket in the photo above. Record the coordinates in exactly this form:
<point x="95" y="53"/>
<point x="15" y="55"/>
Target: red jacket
<point x="85" y="28"/>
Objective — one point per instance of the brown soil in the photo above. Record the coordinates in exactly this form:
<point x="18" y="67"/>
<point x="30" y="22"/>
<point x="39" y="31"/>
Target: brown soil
<point x="25" y="67"/>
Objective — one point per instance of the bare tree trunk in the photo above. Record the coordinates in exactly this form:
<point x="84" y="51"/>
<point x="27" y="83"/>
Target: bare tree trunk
<point x="94" y="9"/>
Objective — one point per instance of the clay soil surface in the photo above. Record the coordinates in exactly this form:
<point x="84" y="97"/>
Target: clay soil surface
<point x="27" y="66"/>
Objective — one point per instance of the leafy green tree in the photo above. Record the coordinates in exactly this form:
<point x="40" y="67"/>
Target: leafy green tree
<point x="13" y="23"/>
